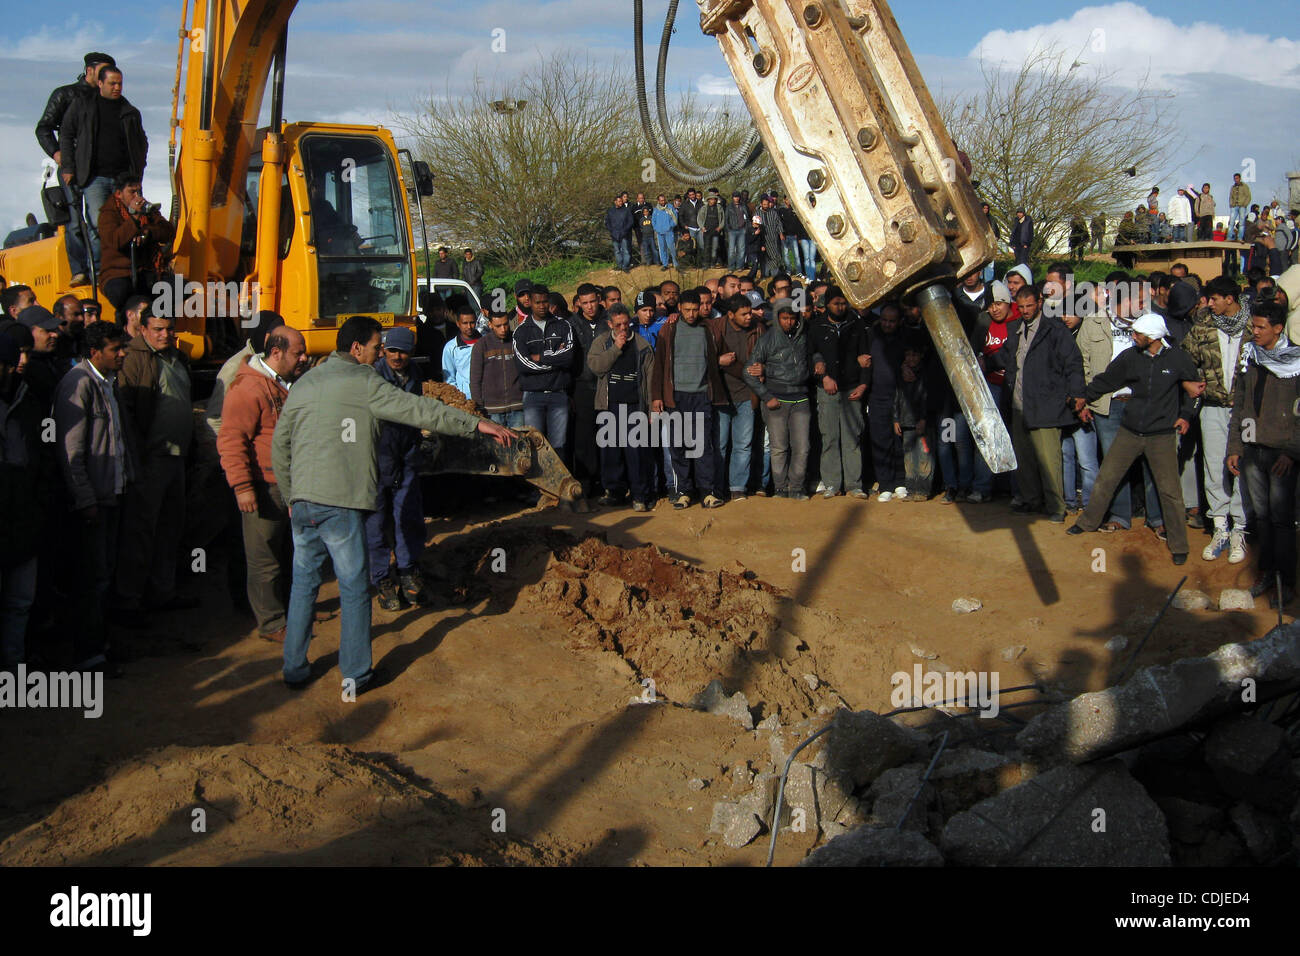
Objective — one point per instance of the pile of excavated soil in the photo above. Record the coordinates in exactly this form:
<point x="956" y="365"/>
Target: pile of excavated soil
<point x="265" y="804"/>
<point x="450" y="395"/>
<point x="683" y="627"/>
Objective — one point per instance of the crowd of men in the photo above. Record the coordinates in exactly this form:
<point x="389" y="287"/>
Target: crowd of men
<point x="704" y="231"/>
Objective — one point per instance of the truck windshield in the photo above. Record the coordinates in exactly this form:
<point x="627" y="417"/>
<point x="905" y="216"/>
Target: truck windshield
<point x="358" y="226"/>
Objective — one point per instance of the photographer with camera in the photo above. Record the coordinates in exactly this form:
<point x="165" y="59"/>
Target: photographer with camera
<point x="136" y="242"/>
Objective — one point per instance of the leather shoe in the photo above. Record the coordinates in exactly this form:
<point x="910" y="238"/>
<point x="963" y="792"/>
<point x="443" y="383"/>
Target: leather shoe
<point x="1074" y="529"/>
<point x="276" y="636"/>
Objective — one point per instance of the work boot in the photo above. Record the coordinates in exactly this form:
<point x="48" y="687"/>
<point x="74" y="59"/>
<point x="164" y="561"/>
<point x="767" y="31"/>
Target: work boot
<point x="411" y="584"/>
<point x="389" y="597"/>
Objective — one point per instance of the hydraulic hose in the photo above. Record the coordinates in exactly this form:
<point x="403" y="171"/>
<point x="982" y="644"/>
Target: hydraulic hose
<point x="694" y="175"/>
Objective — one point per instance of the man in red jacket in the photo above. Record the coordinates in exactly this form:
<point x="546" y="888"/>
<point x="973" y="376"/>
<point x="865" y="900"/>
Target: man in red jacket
<point x="252" y="407"/>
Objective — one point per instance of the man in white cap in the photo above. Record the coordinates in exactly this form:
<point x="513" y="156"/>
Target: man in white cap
<point x="1160" y="406"/>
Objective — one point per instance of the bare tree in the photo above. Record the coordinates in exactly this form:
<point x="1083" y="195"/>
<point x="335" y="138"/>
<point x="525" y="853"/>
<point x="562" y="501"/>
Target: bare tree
<point x="1055" y="139"/>
<point x="529" y="180"/>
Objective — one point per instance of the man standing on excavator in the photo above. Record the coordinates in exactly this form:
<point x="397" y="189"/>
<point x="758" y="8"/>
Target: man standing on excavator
<point x="47" y="134"/>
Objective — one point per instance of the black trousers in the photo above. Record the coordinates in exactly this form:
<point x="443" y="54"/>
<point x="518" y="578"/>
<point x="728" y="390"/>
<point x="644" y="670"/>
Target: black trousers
<point x="586" y="454"/>
<point x="886" y="447"/>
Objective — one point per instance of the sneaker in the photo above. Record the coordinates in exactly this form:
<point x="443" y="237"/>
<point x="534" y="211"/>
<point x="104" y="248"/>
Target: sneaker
<point x="1216" y="545"/>
<point x="859" y="494"/>
<point x="886" y="496"/>
<point x="1236" y="547"/>
<point x="1110" y="527"/>
<point x="1159" y="531"/>
<point x="712" y="501"/>
<point x="1023" y="508"/>
<point x="1195" y="520"/>
<point x="821" y="486"/>
<point x="760" y="493"/>
<point x="1058" y="518"/>
<point x="900" y="492"/>
<point x="411" y="584"/>
<point x="1262" y="585"/>
<point x="737" y="494"/>
<point x="390" y="598"/>
<point x="682" y="502"/>
<point x="609" y="499"/>
<point x="796" y="496"/>
<point x="1074" y="529"/>
<point x="828" y="492"/>
<point x="978" y="497"/>
<point x="79" y="279"/>
<point x="949" y="496"/>
<point x="639" y="506"/>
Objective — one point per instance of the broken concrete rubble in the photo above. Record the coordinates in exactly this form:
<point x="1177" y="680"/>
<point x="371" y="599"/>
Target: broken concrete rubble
<point x="714" y="700"/>
<point x="737" y="824"/>
<point x="1161" y="699"/>
<point x="1069" y="816"/>
<point x="876" y="846"/>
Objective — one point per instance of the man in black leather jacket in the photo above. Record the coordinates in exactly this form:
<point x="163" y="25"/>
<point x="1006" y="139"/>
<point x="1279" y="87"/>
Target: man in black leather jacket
<point x="47" y="134"/>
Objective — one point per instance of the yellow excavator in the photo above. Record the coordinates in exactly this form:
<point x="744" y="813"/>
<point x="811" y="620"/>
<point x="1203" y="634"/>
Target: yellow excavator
<point x="844" y="114"/>
<point x="311" y="221"/>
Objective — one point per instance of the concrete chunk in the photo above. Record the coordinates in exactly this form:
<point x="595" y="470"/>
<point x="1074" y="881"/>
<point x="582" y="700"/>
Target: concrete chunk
<point x="1191" y="600"/>
<point x="1160" y="699"/>
<point x="876" y="846"/>
<point x="862" y="745"/>
<point x="714" y="700"/>
<point x="737" y="824"/>
<point x="1054" y="820"/>
<point x="1234" y="599"/>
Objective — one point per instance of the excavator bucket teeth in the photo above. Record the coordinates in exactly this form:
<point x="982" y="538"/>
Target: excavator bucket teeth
<point x="530" y="457"/>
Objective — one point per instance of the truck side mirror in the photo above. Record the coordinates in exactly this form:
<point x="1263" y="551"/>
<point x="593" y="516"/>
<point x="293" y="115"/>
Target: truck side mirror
<point x="423" y="178"/>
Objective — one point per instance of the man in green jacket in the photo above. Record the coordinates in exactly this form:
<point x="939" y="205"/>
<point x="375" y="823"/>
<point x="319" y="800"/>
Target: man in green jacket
<point x="323" y="454"/>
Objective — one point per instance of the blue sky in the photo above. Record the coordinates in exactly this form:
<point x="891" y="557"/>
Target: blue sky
<point x="1234" y="67"/>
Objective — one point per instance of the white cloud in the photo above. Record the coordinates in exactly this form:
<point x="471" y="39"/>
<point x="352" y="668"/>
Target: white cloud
<point x="1130" y="40"/>
<point x="710" y="85"/>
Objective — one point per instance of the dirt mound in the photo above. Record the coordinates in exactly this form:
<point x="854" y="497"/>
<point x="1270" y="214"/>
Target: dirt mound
<point x="265" y="804"/>
<point x="683" y="627"/>
<point x="450" y="395"/>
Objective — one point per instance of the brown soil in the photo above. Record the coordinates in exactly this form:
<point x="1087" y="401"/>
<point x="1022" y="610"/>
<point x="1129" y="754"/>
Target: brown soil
<point x="450" y="395"/>
<point x="514" y="692"/>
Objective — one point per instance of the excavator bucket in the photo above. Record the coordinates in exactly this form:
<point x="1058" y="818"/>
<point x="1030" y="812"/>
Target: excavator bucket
<point x="530" y="457"/>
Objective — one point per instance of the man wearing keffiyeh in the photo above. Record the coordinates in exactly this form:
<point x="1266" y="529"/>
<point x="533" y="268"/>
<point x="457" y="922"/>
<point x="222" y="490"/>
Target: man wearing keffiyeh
<point x="1215" y="345"/>
<point x="1264" y="444"/>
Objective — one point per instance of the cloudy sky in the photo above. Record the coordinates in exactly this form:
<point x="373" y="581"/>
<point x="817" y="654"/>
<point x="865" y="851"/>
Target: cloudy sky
<point x="1234" y="68"/>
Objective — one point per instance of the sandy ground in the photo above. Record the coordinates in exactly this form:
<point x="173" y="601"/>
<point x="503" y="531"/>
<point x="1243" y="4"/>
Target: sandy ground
<point x="508" y="735"/>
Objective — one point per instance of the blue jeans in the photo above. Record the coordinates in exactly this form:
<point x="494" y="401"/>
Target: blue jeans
<point x="321" y="531"/>
<point x="667" y="248"/>
<point x="97" y="193"/>
<point x="1272" y="499"/>
<point x="1079" y="447"/>
<point x="76" y="248"/>
<point x="17" y="593"/>
<point x="622" y="253"/>
<point x="401" y="514"/>
<point x="791" y="256"/>
<point x="736" y="434"/>
<point x="957" y="457"/>
<point x="513" y="419"/>
<point x="1180" y="233"/>
<point x="808" y="257"/>
<point x="1236" y="219"/>
<point x="548" y="412"/>
<point x="735" y="249"/>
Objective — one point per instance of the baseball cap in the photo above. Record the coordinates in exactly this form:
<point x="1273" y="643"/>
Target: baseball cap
<point x="755" y="297"/>
<point x="523" y="286"/>
<point x="1000" y="291"/>
<point x="400" y="338"/>
<point x="38" y="317"/>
